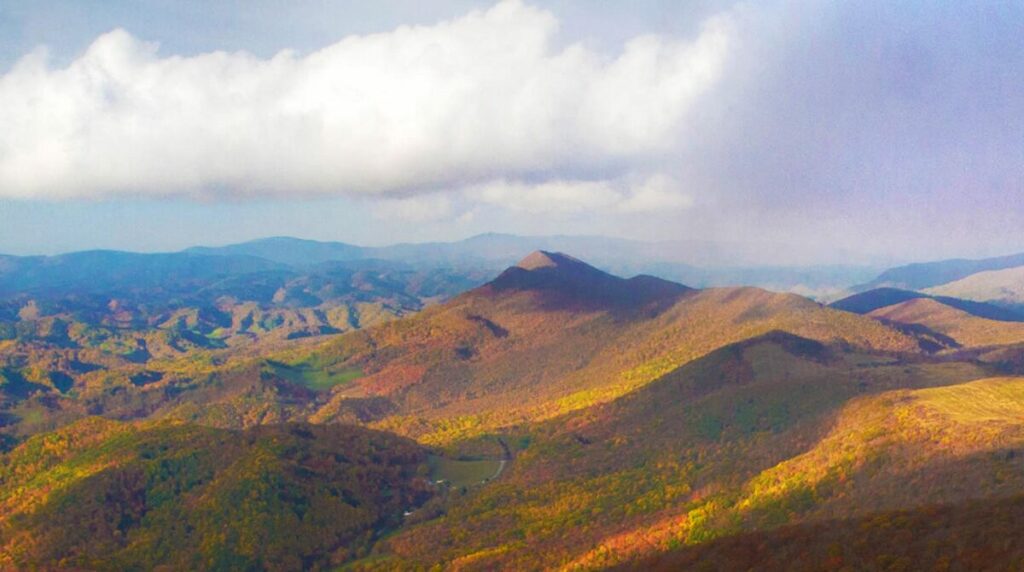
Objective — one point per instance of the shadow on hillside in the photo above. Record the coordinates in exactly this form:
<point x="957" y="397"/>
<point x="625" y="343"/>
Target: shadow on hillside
<point x="735" y="409"/>
<point x="175" y="496"/>
<point x="715" y="405"/>
<point x="589" y="290"/>
<point x="975" y="535"/>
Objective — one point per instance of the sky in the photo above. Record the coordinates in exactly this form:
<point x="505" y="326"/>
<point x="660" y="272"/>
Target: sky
<point x="849" y="132"/>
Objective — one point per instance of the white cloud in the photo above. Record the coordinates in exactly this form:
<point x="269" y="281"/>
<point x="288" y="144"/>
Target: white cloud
<point x="422" y="208"/>
<point x="484" y="97"/>
<point x="656" y="193"/>
<point x="547" y="197"/>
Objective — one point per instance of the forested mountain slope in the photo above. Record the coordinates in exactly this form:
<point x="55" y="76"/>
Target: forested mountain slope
<point x="566" y="418"/>
<point x="104" y="495"/>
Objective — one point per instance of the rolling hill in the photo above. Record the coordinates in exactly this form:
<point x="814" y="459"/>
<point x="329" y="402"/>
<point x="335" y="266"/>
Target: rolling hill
<point x="975" y="535"/>
<point x="867" y="302"/>
<point x="961" y="445"/>
<point x="65" y="318"/>
<point x="567" y="418"/>
<point x="964" y="328"/>
<point x="1002" y="287"/>
<point x="103" y="495"/>
<point x="634" y="475"/>
<point x="553" y="334"/>
<point x="547" y="336"/>
<point x="773" y="430"/>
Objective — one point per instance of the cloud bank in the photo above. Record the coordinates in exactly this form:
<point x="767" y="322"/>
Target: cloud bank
<point x="655" y="193"/>
<point x="478" y="104"/>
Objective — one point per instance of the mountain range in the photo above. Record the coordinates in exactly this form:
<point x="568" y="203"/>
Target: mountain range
<point x="550" y="415"/>
<point x="922" y="275"/>
<point x="700" y="263"/>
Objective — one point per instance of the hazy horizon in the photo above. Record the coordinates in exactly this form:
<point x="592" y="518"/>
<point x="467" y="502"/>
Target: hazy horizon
<point x="849" y="133"/>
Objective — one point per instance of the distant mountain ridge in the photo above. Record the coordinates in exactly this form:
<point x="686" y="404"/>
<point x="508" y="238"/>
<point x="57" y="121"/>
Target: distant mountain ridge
<point x="923" y="275"/>
<point x="696" y="262"/>
<point x="286" y="250"/>
<point x="867" y="302"/>
<point x="496" y="248"/>
<point x="1004" y="287"/>
<point x="97" y="270"/>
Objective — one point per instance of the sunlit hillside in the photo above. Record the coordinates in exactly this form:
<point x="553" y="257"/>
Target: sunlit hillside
<point x="566" y="419"/>
<point x="753" y="436"/>
<point x="963" y="328"/>
<point x="1000" y="286"/>
<point x="528" y="347"/>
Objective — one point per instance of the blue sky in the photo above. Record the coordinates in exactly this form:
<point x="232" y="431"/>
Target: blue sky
<point x="889" y="130"/>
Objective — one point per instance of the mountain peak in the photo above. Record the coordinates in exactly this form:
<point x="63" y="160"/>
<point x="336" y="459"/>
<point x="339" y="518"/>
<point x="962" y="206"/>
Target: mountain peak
<point x="544" y="259"/>
<point x="565" y="281"/>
